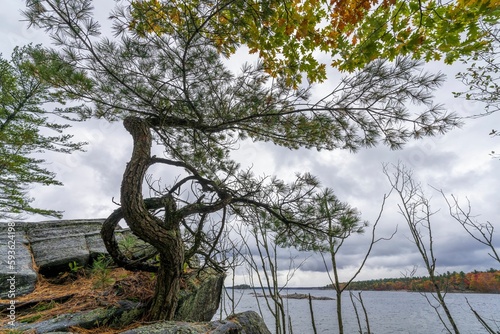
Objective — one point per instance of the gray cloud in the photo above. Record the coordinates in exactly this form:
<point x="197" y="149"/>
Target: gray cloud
<point x="457" y="162"/>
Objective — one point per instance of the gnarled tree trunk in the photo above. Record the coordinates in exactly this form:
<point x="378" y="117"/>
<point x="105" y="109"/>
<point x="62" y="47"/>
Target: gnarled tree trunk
<point x="165" y="234"/>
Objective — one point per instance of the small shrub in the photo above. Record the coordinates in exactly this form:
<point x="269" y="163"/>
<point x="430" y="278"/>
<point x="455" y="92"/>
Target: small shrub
<point x="75" y="267"/>
<point x="101" y="272"/>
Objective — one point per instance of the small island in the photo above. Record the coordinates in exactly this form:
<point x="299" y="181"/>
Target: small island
<point x="297" y="296"/>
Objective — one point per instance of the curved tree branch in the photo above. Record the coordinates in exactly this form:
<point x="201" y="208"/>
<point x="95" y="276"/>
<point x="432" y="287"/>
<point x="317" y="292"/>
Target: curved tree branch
<point x="112" y="246"/>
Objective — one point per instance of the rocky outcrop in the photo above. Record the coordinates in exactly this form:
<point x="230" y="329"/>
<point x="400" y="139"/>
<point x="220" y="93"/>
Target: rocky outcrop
<point x="248" y="322"/>
<point x="17" y="275"/>
<point x="55" y="244"/>
<point x="199" y="299"/>
<point x="48" y="246"/>
<point x="119" y="316"/>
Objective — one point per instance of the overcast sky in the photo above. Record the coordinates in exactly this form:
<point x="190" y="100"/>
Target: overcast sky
<point x="458" y="162"/>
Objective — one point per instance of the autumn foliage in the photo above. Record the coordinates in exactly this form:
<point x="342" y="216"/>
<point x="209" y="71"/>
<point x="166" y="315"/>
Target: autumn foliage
<point x="484" y="282"/>
<point x="297" y="37"/>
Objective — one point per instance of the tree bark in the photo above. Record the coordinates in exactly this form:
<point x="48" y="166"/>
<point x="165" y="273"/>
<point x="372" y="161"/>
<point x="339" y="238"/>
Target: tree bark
<point x="108" y="236"/>
<point x="165" y="234"/>
<point x="164" y="302"/>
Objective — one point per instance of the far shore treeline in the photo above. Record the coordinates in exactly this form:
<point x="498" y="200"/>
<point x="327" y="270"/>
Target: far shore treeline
<point x="476" y="281"/>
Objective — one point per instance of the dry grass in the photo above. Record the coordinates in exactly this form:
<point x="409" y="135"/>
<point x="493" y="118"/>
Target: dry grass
<point x="78" y="293"/>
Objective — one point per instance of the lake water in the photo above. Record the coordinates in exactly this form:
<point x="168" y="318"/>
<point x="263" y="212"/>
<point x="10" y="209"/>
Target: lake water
<point x="388" y="311"/>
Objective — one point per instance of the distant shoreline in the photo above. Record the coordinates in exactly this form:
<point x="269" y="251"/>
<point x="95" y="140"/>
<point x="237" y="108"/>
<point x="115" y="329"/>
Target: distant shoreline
<point x="323" y="289"/>
<point x="237" y="287"/>
<point x="484" y="282"/>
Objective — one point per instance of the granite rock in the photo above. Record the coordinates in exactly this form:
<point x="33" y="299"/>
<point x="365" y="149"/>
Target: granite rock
<point x="248" y="322"/>
<point x="17" y="274"/>
<point x="46" y="247"/>
<point x="200" y="298"/>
